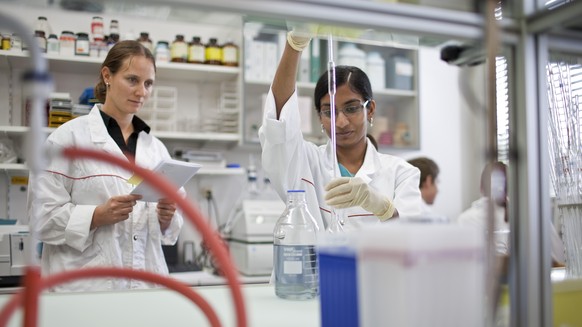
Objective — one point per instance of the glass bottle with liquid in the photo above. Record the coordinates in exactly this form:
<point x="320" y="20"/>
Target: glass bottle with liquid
<point x="40" y="38"/>
<point x="230" y="54"/>
<point x="16" y="42"/>
<point x="113" y="33"/>
<point x="162" y="51"/>
<point x="82" y="45"/>
<point x="196" y="51"/>
<point x="144" y="39"/>
<point x="67" y="43"/>
<point x="179" y="49"/>
<point x="213" y="52"/>
<point x="294" y="259"/>
<point x="97" y="29"/>
<point x="6" y="42"/>
<point x="52" y="45"/>
<point x="42" y="24"/>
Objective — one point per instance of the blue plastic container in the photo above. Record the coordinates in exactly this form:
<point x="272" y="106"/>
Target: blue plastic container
<point x="338" y="287"/>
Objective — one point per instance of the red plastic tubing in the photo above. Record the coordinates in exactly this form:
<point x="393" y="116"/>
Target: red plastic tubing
<point x="35" y="284"/>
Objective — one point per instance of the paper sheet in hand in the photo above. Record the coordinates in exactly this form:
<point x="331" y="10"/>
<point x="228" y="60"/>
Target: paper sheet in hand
<point x="175" y="171"/>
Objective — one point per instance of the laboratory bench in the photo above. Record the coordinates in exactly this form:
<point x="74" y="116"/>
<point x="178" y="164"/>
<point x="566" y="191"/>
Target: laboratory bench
<point x="190" y="278"/>
<point x="162" y="307"/>
<point x="203" y="278"/>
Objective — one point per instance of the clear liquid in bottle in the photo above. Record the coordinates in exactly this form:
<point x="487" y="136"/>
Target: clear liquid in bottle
<point x="295" y="261"/>
<point x="297" y="274"/>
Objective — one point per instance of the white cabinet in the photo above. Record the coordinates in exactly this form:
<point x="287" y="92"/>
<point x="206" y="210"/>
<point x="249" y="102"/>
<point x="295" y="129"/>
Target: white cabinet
<point x="396" y="124"/>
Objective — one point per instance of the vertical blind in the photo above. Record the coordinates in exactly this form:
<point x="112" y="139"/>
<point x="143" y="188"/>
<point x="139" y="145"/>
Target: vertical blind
<point x="502" y="106"/>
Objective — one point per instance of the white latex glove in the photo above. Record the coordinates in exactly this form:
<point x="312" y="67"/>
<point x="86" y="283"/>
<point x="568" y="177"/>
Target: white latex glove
<point x="300" y="35"/>
<point x="345" y="192"/>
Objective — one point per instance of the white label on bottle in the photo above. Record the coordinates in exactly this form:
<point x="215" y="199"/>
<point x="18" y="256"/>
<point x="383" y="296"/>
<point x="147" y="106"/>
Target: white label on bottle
<point x="179" y="50"/>
<point x="293" y="267"/>
<point x="403" y="69"/>
<point x="229" y="55"/>
<point x="82" y="47"/>
<point x="196" y="53"/>
<point x="97" y="32"/>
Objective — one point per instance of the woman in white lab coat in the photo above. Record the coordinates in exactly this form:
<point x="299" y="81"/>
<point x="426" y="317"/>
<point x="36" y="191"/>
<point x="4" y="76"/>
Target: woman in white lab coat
<point x="373" y="187"/>
<point x="82" y="210"/>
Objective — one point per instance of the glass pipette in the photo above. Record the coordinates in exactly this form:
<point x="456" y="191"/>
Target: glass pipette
<point x="337" y="220"/>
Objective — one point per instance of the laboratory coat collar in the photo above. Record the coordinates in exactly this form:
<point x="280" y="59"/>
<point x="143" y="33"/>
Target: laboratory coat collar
<point x="369" y="167"/>
<point x="98" y="131"/>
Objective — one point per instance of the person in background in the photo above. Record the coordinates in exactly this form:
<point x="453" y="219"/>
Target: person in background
<point x="373" y="186"/>
<point x="82" y="210"/>
<point x="493" y="173"/>
<point x="494" y="184"/>
<point x="429" y="172"/>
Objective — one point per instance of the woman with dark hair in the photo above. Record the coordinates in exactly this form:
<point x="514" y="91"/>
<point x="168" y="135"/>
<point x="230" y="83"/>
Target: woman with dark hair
<point x="83" y="211"/>
<point x="373" y="186"/>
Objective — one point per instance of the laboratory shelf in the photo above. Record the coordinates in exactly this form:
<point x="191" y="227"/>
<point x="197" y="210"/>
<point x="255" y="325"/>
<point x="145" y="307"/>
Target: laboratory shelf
<point x="14" y="168"/>
<point x="214" y="138"/>
<point x="267" y="84"/>
<point x="206" y="136"/>
<point x="19" y="130"/>
<point x="308" y="87"/>
<point x="211" y="171"/>
<point x="90" y="65"/>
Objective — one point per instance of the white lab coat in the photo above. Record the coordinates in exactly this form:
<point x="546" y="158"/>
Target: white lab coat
<point x="293" y="163"/>
<point x="476" y="216"/>
<point x="68" y="192"/>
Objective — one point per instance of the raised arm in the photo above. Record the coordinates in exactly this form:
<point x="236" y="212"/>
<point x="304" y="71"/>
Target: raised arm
<point x="285" y="76"/>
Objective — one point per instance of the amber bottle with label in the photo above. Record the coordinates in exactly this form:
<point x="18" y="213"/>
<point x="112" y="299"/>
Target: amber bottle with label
<point x="196" y="51"/>
<point x="179" y="49"/>
<point x="230" y="54"/>
<point x="213" y="52"/>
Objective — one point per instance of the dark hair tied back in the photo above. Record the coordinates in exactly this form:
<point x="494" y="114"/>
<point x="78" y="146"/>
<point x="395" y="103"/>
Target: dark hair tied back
<point x="353" y="76"/>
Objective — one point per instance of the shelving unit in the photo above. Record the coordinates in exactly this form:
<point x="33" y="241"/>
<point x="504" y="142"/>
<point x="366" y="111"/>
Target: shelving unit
<point x="90" y="65"/>
<point x="166" y="72"/>
<point x="395" y="106"/>
<point x="23" y="169"/>
<point x="18" y="133"/>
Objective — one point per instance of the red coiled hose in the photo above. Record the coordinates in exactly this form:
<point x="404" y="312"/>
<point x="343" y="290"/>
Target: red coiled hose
<point x="211" y="238"/>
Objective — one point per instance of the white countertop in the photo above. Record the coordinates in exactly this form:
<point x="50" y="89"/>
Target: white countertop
<point x="191" y="278"/>
<point x="202" y="278"/>
<point x="161" y="307"/>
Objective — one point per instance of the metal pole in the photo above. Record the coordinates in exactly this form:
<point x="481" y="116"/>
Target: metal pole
<point x="529" y="269"/>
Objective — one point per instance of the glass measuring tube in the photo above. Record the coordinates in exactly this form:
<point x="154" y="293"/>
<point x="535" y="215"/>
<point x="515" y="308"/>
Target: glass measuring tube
<point x="337" y="216"/>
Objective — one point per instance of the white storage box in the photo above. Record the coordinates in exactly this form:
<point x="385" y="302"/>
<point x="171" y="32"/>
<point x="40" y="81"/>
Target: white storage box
<point x="421" y="275"/>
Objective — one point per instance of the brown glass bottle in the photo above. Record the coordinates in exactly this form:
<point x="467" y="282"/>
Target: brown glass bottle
<point x="41" y="40"/>
<point x="213" y="52"/>
<point x="230" y="54"/>
<point x="196" y="51"/>
<point x="144" y="39"/>
<point x="179" y="49"/>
